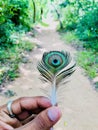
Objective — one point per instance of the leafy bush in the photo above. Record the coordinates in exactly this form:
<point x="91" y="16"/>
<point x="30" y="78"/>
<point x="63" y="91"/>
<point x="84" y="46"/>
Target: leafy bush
<point x="87" y="29"/>
<point x="69" y="18"/>
<point x="17" y="11"/>
<point x="5" y="32"/>
<point x="81" y="16"/>
<point x="14" y="16"/>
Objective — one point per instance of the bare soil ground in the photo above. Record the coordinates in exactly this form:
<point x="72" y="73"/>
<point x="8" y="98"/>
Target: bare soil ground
<point x="78" y="100"/>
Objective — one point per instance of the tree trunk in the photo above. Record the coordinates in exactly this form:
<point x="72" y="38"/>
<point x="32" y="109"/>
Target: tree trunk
<point x="41" y="13"/>
<point x="34" y="13"/>
<point x="59" y="17"/>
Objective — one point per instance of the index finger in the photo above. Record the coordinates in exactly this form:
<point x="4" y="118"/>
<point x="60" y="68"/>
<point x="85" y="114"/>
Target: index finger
<point x="28" y="103"/>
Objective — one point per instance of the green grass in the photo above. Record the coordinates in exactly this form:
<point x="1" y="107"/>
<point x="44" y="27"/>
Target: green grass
<point x="69" y="37"/>
<point x="26" y="46"/>
<point x="44" y="24"/>
<point x="87" y="60"/>
<point x="10" y="58"/>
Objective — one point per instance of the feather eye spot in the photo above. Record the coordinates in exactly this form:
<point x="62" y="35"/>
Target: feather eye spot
<point x="53" y="62"/>
<point x="56" y="60"/>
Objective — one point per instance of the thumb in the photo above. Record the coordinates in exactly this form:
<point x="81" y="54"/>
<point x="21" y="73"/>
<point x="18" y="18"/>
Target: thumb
<point x="45" y="120"/>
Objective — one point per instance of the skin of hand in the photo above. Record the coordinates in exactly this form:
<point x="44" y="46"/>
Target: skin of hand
<point x="25" y="109"/>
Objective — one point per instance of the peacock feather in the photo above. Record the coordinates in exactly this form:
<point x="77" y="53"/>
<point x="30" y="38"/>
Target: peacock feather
<point x="54" y="68"/>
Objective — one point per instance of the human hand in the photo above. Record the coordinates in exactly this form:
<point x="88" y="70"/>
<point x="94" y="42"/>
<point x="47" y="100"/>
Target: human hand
<point x="23" y="108"/>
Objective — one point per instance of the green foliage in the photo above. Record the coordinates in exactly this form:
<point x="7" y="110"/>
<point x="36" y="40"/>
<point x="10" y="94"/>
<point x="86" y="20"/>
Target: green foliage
<point x="16" y="18"/>
<point x="16" y="15"/>
<point x="87" y="59"/>
<point x="69" y="18"/>
<point x="87" y="29"/>
<point x="27" y="46"/>
<point x="13" y="14"/>
<point x="17" y="11"/>
<point x="64" y="4"/>
<point x="10" y="58"/>
<point x="5" y="32"/>
<point x="81" y="16"/>
<point x="80" y="27"/>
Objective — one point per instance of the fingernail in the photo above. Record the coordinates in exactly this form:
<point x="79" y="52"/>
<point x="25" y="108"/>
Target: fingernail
<point x="54" y="114"/>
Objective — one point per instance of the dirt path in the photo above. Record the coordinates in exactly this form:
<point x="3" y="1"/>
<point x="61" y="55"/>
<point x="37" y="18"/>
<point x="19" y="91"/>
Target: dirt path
<point x="79" y="104"/>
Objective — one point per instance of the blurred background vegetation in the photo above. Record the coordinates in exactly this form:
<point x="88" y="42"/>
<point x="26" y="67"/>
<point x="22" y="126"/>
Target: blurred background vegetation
<point x="17" y="17"/>
<point x="78" y="26"/>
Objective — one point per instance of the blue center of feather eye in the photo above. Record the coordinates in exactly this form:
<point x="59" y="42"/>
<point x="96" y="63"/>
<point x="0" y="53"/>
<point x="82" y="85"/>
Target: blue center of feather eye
<point x="55" y="62"/>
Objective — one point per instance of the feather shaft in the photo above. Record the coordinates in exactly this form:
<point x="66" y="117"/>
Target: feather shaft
<point x="53" y="93"/>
